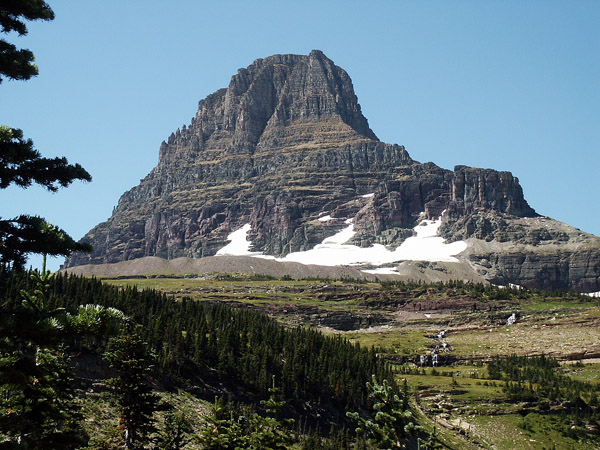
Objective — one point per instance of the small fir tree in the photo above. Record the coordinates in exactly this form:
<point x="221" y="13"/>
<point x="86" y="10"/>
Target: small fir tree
<point x="175" y="434"/>
<point x="128" y="355"/>
<point x="222" y="431"/>
<point x="392" y="423"/>
<point x="245" y="429"/>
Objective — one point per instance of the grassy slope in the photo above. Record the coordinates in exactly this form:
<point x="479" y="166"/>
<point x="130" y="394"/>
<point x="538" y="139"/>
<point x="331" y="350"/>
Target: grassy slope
<point x="466" y="410"/>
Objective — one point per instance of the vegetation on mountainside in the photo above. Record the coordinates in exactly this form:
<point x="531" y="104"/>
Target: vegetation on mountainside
<point x="564" y="324"/>
<point x="500" y="404"/>
<point x="206" y="348"/>
<point x="539" y="379"/>
<point x="37" y="408"/>
<point x="308" y="365"/>
<point x="392" y="423"/>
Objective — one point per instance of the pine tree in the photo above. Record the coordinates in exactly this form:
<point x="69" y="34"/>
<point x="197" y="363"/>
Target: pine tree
<point x="128" y="355"/>
<point x="20" y="163"/>
<point x="392" y="423"/>
<point x="429" y="441"/>
<point x="175" y="432"/>
<point x="18" y="64"/>
<point x="36" y="389"/>
<point x="222" y="430"/>
<point x="269" y="433"/>
<point x="246" y="429"/>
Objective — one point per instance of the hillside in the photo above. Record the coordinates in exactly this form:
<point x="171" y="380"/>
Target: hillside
<point x="466" y="326"/>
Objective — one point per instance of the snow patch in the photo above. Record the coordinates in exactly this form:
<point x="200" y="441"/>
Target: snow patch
<point x="368" y="195"/>
<point x="510" y="286"/>
<point x="382" y="271"/>
<point x="325" y="218"/>
<point x="594" y="294"/>
<point x="341" y="237"/>
<point x="334" y="250"/>
<point x="239" y="245"/>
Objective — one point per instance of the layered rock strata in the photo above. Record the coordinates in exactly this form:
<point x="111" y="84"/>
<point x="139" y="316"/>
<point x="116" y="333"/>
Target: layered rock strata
<point x="285" y="143"/>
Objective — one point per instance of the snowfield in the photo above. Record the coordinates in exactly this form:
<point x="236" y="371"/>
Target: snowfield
<point x="239" y="245"/>
<point x="427" y="245"/>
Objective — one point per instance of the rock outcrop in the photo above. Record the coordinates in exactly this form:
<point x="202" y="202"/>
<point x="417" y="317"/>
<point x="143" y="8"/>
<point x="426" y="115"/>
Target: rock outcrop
<point x="285" y="143"/>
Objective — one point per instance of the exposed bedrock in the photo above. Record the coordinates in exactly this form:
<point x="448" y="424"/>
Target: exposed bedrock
<point x="576" y="270"/>
<point x="286" y="143"/>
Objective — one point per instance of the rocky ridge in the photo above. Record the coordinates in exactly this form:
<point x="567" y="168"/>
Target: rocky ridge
<point x="285" y="143"/>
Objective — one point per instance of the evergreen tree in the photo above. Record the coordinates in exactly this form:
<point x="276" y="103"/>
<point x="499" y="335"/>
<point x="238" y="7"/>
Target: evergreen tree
<point x="18" y="64"/>
<point x="175" y="432"/>
<point x="429" y="441"/>
<point x="36" y="389"/>
<point x="392" y="423"/>
<point x="222" y="430"/>
<point x="127" y="354"/>
<point x="246" y="429"/>
<point x="20" y="163"/>
<point x="269" y="433"/>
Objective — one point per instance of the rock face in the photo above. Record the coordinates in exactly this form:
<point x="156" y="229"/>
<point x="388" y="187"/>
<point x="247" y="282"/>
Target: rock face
<point x="285" y="143"/>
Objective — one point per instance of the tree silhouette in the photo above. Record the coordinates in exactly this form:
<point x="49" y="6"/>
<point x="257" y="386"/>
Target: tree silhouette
<point x="20" y="163"/>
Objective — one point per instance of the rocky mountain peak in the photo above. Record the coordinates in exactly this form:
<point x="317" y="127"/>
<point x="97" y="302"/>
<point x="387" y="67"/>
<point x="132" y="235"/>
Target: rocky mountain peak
<point x="271" y="93"/>
<point x="284" y="156"/>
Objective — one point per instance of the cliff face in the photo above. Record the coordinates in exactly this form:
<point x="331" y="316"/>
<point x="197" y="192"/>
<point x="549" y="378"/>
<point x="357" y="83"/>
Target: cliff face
<point x="283" y="144"/>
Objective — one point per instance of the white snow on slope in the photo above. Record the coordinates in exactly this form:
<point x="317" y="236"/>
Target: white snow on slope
<point x="593" y="294"/>
<point x="239" y="245"/>
<point x="382" y="271"/>
<point x="368" y="195"/>
<point x="341" y="237"/>
<point x="334" y="251"/>
<point x="325" y="219"/>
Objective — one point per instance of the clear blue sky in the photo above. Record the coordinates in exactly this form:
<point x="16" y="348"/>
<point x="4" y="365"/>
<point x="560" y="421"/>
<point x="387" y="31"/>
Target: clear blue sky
<point x="509" y="85"/>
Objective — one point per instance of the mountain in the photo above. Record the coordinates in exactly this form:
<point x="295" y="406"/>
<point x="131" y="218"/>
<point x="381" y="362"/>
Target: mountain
<point x="283" y="165"/>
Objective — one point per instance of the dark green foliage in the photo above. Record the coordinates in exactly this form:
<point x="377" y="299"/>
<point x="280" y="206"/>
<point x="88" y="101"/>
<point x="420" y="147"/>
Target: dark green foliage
<point x="30" y="234"/>
<point x="223" y="430"/>
<point x="429" y="442"/>
<point x="175" y="432"/>
<point x="37" y="400"/>
<point x="199" y="342"/>
<point x="22" y="165"/>
<point x="231" y="427"/>
<point x="521" y="368"/>
<point x="482" y="291"/>
<point x="337" y="440"/>
<point x="36" y="384"/>
<point x="36" y="393"/>
<point x="137" y="402"/>
<point x="16" y="64"/>
<point x="540" y="379"/>
<point x="391" y="423"/>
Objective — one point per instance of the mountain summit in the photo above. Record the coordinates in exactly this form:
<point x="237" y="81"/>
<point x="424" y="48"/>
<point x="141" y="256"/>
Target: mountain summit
<point x="283" y="165"/>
